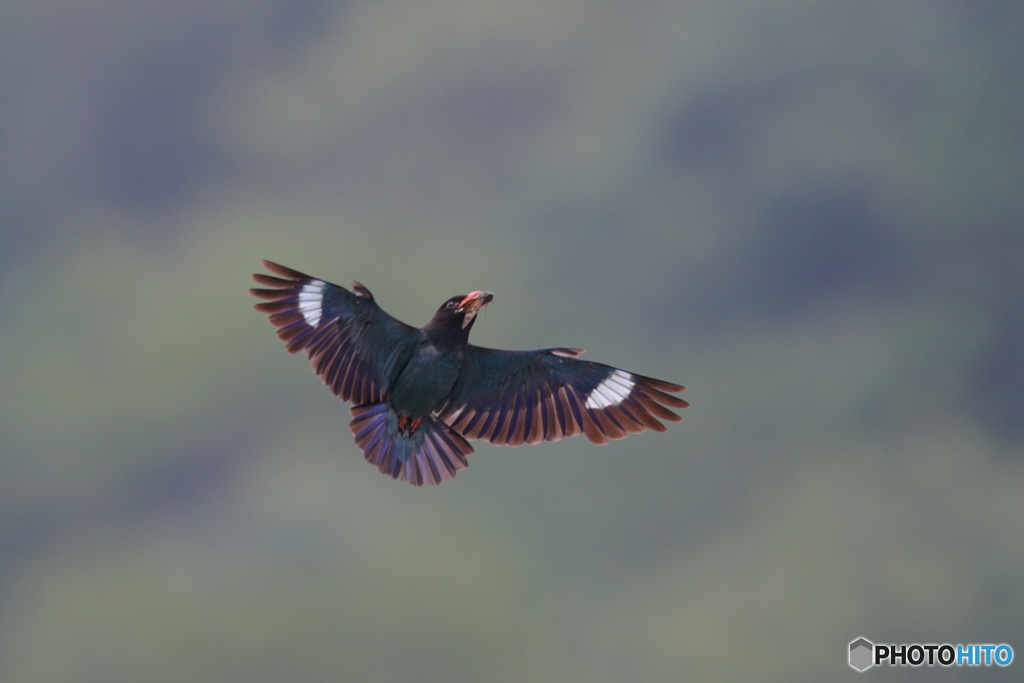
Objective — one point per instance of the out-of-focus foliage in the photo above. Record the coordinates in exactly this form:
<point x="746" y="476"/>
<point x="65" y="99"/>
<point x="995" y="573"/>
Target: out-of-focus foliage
<point x="809" y="213"/>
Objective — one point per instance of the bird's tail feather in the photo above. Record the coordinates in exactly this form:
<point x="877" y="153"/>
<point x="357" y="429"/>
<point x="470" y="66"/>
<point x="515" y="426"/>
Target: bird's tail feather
<point x="428" y="454"/>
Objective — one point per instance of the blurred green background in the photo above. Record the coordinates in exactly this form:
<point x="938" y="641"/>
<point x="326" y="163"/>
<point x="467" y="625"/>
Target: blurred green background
<point x="810" y="213"/>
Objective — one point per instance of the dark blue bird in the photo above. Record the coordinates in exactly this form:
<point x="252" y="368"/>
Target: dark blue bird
<point x="418" y="394"/>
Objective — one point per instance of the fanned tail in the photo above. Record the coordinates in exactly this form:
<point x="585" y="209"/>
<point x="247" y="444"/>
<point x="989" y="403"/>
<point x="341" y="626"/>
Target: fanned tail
<point x="427" y="454"/>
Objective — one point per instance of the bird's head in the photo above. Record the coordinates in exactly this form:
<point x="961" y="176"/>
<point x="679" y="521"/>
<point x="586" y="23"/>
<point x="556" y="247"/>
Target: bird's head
<point x="460" y="311"/>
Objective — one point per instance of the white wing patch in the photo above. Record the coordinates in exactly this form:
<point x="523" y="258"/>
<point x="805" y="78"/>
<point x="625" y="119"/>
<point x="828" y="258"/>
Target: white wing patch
<point x="311" y="301"/>
<point x="612" y="391"/>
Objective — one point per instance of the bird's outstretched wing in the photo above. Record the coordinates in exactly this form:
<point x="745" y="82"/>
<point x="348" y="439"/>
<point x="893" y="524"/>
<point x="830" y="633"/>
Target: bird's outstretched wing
<point x="354" y="345"/>
<point x="515" y="397"/>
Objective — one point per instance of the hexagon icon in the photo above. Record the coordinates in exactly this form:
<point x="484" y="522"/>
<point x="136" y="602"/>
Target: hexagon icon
<point x="862" y="654"/>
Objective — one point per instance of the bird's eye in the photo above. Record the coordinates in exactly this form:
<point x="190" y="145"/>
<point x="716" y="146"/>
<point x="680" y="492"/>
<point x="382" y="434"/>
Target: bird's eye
<point x="450" y="305"/>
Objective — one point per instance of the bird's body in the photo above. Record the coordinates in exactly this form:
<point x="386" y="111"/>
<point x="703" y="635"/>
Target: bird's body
<point x="418" y="394"/>
<point x="427" y="378"/>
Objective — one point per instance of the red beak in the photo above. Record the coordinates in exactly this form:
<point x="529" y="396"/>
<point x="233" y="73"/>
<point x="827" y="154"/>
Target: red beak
<point x="472" y="303"/>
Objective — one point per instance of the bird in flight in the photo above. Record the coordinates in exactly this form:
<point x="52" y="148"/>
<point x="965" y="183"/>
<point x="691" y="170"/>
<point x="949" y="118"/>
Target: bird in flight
<point x="417" y="395"/>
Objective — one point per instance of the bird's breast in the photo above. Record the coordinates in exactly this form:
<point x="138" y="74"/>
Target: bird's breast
<point x="425" y="382"/>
